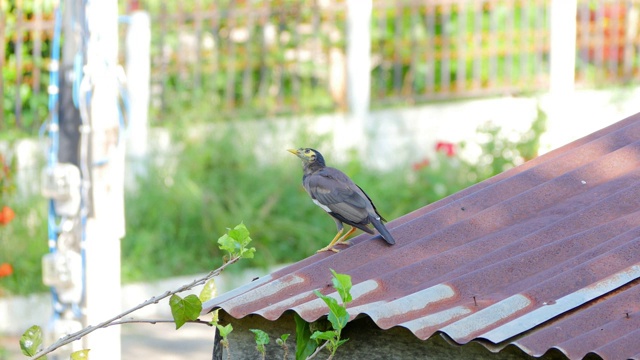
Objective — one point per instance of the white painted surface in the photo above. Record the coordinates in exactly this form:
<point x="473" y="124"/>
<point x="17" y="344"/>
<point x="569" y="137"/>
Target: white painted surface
<point x="562" y="55"/>
<point x="359" y="56"/>
<point x="138" y="69"/>
<point x="105" y="224"/>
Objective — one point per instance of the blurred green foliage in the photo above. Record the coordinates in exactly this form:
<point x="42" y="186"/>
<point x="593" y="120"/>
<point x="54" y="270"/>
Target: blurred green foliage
<point x="22" y="244"/>
<point x="186" y="199"/>
<point x="23" y="236"/>
<point x="173" y="216"/>
<point x="214" y="184"/>
<point x="22" y="89"/>
<point x="7" y="178"/>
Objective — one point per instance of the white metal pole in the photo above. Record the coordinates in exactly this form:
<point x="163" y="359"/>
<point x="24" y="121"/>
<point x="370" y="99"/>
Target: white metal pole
<point x="138" y="44"/>
<point x="359" y="56"/>
<point x="105" y="224"/>
<point x="562" y="62"/>
<point x="358" y="68"/>
<point x="562" y="56"/>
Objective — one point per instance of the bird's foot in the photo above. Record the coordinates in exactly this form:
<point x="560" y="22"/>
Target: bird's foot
<point x="327" y="248"/>
<point x="346" y="243"/>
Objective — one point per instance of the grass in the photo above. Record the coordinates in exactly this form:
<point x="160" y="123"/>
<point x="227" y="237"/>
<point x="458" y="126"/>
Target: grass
<point x="22" y="243"/>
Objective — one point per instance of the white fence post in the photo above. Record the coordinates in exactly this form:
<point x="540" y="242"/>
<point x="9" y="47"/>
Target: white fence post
<point x="138" y="55"/>
<point x="359" y="56"/>
<point x="562" y="57"/>
<point x="358" y="76"/>
<point x="105" y="223"/>
<point x="562" y="62"/>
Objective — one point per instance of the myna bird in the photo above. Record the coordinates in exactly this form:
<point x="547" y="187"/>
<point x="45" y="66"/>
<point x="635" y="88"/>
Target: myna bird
<point x="340" y="197"/>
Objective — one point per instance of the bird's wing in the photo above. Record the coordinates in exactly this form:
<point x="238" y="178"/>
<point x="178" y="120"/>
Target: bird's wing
<point x="372" y="204"/>
<point x="333" y="189"/>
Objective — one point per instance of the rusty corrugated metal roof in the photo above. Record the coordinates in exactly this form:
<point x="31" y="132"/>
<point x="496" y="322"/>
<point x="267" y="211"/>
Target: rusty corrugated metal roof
<point x="545" y="255"/>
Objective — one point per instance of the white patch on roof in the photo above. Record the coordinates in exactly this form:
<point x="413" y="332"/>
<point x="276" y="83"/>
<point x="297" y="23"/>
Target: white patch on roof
<point x="564" y="304"/>
<point x="487" y="317"/>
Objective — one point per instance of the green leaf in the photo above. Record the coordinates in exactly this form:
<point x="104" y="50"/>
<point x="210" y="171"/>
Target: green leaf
<point x="227" y="243"/>
<point x="31" y="340"/>
<point x="80" y="354"/>
<point x="248" y="253"/>
<point x="341" y="342"/>
<point x="262" y="338"/>
<point x="208" y="291"/>
<point x="214" y="317"/>
<point x="342" y="284"/>
<point x="304" y="345"/>
<point x="186" y="309"/>
<point x="224" y="330"/>
<point x="235" y="242"/>
<point x="338" y="315"/>
<point x="324" y="335"/>
<point x="240" y="233"/>
<point x="284" y="337"/>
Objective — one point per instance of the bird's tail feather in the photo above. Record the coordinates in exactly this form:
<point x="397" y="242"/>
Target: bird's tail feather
<point x="382" y="230"/>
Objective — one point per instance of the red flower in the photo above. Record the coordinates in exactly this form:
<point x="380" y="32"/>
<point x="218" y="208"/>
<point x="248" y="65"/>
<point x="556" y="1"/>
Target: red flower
<point x="446" y="147"/>
<point x="6" y="215"/>
<point x="5" y="167"/>
<point x="421" y="164"/>
<point x="6" y="269"/>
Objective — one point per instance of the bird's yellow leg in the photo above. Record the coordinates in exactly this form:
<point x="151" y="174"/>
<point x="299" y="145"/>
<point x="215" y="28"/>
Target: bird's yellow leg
<point x="344" y="237"/>
<point x="333" y="242"/>
<point x="338" y="239"/>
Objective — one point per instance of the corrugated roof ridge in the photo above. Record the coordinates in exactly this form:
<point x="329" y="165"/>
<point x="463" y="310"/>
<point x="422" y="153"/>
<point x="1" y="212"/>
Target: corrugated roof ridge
<point x="480" y="298"/>
<point x="399" y="269"/>
<point x="549" y="310"/>
<point x="297" y="308"/>
<point x="605" y="328"/>
<point x="572" y="262"/>
<point x="603" y="340"/>
<point x="596" y="314"/>
<point x="528" y="258"/>
<point x="602" y="208"/>
<point x="571" y="217"/>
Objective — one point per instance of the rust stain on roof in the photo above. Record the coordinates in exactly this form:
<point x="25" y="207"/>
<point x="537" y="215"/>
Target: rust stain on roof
<point x="545" y="255"/>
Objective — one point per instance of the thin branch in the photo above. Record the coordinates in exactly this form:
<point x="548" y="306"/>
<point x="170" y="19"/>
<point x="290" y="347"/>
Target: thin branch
<point x="318" y="349"/>
<point x="154" y="300"/>
<point x="156" y="321"/>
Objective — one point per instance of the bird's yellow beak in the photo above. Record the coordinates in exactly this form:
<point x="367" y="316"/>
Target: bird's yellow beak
<point x="293" y="151"/>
